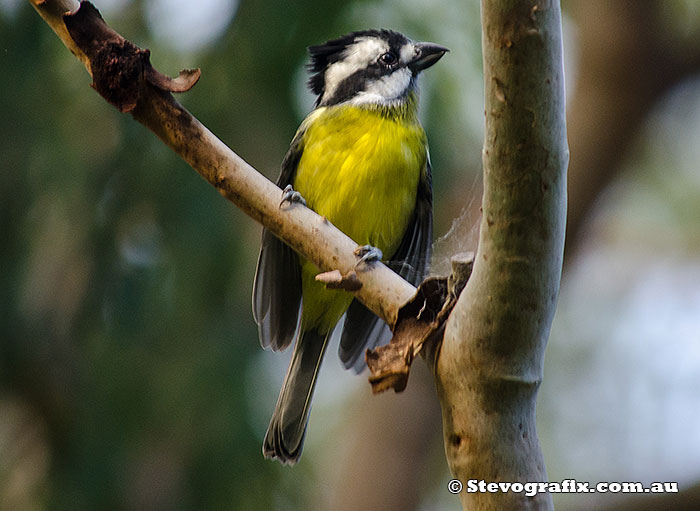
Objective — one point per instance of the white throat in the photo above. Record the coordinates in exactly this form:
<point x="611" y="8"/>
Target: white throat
<point x="388" y="89"/>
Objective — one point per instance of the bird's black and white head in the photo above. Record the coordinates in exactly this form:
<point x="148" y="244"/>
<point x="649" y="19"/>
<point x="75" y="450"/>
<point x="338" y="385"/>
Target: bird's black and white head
<point x="369" y="67"/>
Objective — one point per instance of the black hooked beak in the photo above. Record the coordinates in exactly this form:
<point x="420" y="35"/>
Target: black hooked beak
<point x="426" y="54"/>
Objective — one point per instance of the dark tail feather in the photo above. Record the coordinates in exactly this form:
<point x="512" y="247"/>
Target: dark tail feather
<point x="285" y="434"/>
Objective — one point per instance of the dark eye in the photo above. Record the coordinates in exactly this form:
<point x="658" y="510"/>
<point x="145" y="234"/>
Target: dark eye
<point x="388" y="59"/>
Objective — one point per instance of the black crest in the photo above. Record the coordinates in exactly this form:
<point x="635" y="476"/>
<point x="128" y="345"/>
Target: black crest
<point x="323" y="55"/>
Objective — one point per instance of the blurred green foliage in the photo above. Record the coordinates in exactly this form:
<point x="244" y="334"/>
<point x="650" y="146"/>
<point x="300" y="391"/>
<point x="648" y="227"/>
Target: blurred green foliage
<point x="130" y="373"/>
<point x="125" y="285"/>
<point x="125" y="282"/>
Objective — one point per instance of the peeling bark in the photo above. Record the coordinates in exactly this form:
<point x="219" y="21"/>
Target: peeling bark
<point x="419" y="327"/>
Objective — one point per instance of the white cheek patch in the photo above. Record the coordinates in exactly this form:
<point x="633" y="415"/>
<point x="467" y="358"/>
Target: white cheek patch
<point x="357" y="56"/>
<point x="408" y="51"/>
<point x="386" y="89"/>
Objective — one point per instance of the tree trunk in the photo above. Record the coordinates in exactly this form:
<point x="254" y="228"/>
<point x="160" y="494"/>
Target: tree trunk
<point x="490" y="364"/>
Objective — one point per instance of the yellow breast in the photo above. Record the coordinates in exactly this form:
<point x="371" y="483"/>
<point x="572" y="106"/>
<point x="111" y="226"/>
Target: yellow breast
<point x="360" y="169"/>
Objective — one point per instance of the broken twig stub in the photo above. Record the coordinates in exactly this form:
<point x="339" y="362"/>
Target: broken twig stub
<point x="336" y="280"/>
<point x="118" y="67"/>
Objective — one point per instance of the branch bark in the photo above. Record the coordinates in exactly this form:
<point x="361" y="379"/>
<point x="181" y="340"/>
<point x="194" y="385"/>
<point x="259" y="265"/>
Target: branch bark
<point x="151" y="104"/>
<point x="490" y="365"/>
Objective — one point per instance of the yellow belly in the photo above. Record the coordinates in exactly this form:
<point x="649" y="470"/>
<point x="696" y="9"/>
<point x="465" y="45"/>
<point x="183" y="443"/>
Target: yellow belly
<point x="360" y="170"/>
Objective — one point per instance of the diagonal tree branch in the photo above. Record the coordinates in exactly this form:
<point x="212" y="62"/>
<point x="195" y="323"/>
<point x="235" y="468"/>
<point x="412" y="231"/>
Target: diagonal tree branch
<point x="122" y="74"/>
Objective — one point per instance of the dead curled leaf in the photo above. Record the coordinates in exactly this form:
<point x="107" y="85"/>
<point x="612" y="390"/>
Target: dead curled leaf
<point x="119" y="68"/>
<point x="420" y="326"/>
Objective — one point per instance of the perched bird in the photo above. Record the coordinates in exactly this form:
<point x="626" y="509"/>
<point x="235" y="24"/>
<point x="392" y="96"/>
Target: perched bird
<point x="360" y="159"/>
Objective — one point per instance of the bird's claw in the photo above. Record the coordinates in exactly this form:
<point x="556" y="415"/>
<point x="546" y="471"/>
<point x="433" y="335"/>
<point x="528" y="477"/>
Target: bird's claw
<point x="289" y="194"/>
<point x="368" y="254"/>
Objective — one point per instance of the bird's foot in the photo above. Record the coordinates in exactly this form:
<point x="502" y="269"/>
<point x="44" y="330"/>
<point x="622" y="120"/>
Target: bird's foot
<point x="290" y="195"/>
<point x="367" y="254"/>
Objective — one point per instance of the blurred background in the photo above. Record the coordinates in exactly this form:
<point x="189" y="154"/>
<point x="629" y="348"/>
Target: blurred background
<point x="131" y="377"/>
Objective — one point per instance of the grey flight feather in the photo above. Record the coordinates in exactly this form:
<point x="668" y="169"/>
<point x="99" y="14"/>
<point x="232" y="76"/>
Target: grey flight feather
<point x="277" y="293"/>
<point x="277" y="285"/>
<point x="285" y="434"/>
